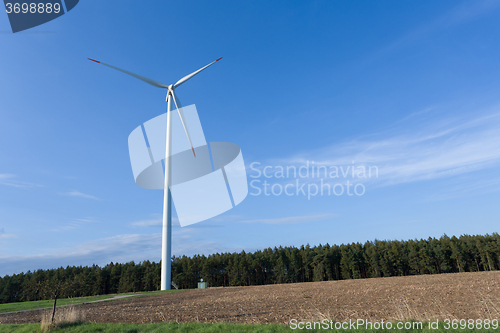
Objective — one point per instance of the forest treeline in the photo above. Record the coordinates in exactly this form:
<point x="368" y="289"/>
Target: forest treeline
<point x="278" y="265"/>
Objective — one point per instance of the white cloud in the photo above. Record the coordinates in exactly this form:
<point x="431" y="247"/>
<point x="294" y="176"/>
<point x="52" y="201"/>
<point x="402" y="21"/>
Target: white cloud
<point x="75" y="223"/>
<point x="292" y="219"/>
<point x="9" y="179"/>
<point x="226" y="218"/>
<point x="231" y="218"/>
<point x="462" y="13"/>
<point x="154" y="223"/>
<point x="75" y="193"/>
<point x="120" y="248"/>
<point x="86" y="220"/>
<point x="434" y="150"/>
<point x="158" y="222"/>
<point x="3" y="235"/>
<point x="8" y="236"/>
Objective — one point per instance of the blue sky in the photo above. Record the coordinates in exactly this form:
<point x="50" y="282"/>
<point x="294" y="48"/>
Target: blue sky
<point x="408" y="87"/>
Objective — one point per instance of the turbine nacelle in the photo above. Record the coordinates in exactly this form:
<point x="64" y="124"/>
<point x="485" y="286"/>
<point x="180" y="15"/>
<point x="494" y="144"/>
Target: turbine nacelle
<point x="170" y="91"/>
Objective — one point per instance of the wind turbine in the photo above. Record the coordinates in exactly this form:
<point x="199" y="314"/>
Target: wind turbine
<point x="166" y="248"/>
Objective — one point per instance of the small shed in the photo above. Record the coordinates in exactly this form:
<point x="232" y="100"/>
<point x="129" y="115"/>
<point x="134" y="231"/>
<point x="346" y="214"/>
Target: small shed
<point x="202" y="285"/>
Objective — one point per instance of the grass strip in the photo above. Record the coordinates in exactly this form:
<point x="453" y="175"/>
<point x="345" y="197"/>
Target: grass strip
<point x="32" y="305"/>
<point x="200" y="327"/>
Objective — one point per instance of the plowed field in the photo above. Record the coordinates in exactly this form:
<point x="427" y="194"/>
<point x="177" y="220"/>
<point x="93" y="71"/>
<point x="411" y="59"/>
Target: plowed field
<point x="444" y="296"/>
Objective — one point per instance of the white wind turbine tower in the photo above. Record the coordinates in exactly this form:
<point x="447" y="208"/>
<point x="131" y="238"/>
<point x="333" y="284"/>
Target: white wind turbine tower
<point x="166" y="249"/>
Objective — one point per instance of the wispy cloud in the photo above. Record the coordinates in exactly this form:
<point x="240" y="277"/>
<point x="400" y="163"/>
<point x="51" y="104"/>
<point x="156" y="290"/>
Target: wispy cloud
<point x="462" y="13"/>
<point x="468" y="186"/>
<point x="158" y="222"/>
<point x="75" y="223"/>
<point x="154" y="223"/>
<point x="226" y="218"/>
<point x="292" y="219"/>
<point x="8" y="236"/>
<point x="434" y="150"/>
<point x="147" y="223"/>
<point x="3" y="235"/>
<point x="75" y="193"/>
<point x="9" y="179"/>
<point x="120" y="248"/>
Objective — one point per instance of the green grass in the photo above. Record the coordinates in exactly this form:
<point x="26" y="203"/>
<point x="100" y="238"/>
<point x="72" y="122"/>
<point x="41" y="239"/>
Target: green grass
<point x="149" y="328"/>
<point x="196" y="327"/>
<point x="19" y="306"/>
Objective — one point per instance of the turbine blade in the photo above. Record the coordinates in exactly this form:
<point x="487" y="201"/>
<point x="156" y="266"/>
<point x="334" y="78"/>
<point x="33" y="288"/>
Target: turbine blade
<point x="187" y="77"/>
<point x="183" y="120"/>
<point x="140" y="77"/>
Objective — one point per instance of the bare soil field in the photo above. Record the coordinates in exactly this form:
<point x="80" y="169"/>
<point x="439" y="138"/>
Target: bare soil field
<point x="423" y="297"/>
